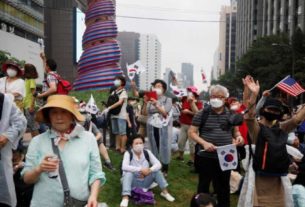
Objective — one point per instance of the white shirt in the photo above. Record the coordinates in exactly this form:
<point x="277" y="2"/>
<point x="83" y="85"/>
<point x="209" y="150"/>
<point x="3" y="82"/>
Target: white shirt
<point x="17" y="86"/>
<point x="123" y="113"/>
<point x="136" y="164"/>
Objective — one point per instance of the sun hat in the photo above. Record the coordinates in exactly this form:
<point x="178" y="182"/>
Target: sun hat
<point x="193" y="89"/>
<point x="162" y="82"/>
<point x="59" y="101"/>
<point x="14" y="65"/>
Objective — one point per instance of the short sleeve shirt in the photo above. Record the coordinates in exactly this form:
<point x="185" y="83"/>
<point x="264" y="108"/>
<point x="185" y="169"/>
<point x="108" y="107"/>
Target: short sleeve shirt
<point x="28" y="99"/>
<point x="212" y="131"/>
<point x="123" y="113"/>
<point x="49" y="79"/>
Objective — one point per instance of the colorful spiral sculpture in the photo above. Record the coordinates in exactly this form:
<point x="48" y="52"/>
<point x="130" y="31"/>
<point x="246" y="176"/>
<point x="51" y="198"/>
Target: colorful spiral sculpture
<point x="99" y="63"/>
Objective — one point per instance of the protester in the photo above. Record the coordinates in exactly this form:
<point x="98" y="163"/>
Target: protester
<point x="24" y="191"/>
<point x="140" y="169"/>
<point x="131" y="120"/>
<point x="79" y="168"/>
<point x="117" y="109"/>
<point x="91" y="127"/>
<point x="175" y="138"/>
<point x="30" y="74"/>
<point x="50" y="82"/>
<point x="176" y="108"/>
<point x="159" y="124"/>
<point x="266" y="182"/>
<point x="202" y="200"/>
<point x="210" y="135"/>
<point x="190" y="106"/>
<point x="142" y="116"/>
<point x="12" y="127"/>
<point x="12" y="83"/>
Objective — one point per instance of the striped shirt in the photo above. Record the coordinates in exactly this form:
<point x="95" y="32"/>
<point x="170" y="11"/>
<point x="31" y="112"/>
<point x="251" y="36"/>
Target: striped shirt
<point x="212" y="130"/>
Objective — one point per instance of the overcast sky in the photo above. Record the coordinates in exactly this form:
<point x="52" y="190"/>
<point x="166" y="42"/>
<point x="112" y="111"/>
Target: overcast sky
<point x="181" y="42"/>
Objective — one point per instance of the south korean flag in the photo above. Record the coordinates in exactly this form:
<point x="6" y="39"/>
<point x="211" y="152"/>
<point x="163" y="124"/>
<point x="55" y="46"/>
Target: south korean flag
<point x="227" y="156"/>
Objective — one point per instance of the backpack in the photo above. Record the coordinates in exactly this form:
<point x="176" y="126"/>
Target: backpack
<point x="146" y="155"/>
<point x="270" y="156"/>
<point x="112" y="99"/>
<point x="63" y="86"/>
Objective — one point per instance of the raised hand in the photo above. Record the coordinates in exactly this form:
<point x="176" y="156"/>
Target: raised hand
<point x="253" y="86"/>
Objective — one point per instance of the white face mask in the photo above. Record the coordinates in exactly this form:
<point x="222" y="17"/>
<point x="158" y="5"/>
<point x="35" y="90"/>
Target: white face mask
<point x="234" y="107"/>
<point x="190" y="94"/>
<point x="159" y="91"/>
<point x="117" y="83"/>
<point x="138" y="148"/>
<point x="11" y="72"/>
<point x="216" y="102"/>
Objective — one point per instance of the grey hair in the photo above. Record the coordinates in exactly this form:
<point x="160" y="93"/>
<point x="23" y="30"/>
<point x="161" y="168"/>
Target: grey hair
<point x="221" y="88"/>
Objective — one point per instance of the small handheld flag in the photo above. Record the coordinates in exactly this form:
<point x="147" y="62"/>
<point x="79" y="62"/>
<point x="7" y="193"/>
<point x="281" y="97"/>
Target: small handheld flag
<point x="290" y="86"/>
<point x="227" y="156"/>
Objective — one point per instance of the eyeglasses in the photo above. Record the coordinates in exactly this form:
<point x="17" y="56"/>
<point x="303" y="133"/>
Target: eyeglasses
<point x="220" y="97"/>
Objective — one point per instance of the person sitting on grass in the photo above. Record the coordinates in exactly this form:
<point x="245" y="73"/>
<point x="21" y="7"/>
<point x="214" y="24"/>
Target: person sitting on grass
<point x="203" y="200"/>
<point x="140" y="169"/>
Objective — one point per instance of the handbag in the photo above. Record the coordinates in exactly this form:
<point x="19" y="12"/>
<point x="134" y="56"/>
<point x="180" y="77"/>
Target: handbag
<point x="68" y="200"/>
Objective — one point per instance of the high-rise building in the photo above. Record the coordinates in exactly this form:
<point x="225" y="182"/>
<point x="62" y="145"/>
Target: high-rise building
<point x="24" y="18"/>
<point x="187" y="69"/>
<point x="260" y="18"/>
<point x="60" y="35"/>
<point x="215" y="72"/>
<point x="227" y="38"/>
<point x="129" y="43"/>
<point x="167" y="76"/>
<point x="22" y="29"/>
<point x="150" y="57"/>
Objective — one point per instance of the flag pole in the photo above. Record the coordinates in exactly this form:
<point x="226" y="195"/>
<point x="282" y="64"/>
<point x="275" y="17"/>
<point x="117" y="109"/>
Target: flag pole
<point x="278" y="83"/>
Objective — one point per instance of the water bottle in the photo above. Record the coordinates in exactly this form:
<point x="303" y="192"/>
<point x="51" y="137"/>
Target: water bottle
<point x="53" y="174"/>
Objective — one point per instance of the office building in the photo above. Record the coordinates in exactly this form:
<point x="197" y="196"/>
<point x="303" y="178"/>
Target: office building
<point x="150" y="57"/>
<point x="187" y="69"/>
<point x="258" y="18"/>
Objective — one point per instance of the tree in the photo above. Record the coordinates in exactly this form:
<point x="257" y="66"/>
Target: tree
<point x="269" y="60"/>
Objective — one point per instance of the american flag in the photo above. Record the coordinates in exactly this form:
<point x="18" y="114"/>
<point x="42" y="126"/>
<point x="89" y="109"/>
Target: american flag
<point x="290" y="86"/>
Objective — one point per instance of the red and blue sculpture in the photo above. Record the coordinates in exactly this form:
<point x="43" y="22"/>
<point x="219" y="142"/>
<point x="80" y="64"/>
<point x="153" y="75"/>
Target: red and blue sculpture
<point x="99" y="63"/>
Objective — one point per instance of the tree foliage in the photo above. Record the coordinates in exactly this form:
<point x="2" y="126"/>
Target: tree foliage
<point x="269" y="60"/>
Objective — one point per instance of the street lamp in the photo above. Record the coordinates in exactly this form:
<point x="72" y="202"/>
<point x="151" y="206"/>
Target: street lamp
<point x="292" y="52"/>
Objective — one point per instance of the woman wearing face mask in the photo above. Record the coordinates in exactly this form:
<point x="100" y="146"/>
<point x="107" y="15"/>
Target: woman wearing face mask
<point x="140" y="169"/>
<point x="12" y="83"/>
<point x="118" y="121"/>
<point x="159" y="137"/>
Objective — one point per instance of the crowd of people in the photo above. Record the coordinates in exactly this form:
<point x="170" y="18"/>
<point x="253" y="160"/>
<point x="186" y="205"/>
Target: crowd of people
<point x="62" y="165"/>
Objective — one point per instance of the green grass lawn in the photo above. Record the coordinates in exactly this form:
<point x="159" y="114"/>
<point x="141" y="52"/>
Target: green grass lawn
<point x="182" y="185"/>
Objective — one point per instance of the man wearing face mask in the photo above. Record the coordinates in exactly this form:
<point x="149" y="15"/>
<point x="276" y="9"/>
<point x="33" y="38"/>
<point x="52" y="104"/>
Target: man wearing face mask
<point x="269" y="184"/>
<point x="13" y="84"/>
<point x="210" y="135"/>
<point x="118" y="121"/>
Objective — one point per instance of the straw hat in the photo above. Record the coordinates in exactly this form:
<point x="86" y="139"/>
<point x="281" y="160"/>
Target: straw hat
<point x="59" y="101"/>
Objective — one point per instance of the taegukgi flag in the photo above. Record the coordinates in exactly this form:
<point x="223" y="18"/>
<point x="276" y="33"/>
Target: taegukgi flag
<point x="227" y="156"/>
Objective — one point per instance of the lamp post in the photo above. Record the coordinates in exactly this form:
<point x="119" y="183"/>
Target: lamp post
<point x="292" y="52"/>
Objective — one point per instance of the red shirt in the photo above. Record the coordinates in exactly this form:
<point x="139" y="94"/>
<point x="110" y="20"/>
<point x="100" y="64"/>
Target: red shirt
<point x="187" y="118"/>
<point x="243" y="129"/>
